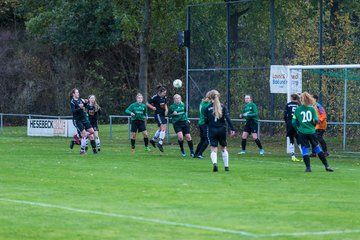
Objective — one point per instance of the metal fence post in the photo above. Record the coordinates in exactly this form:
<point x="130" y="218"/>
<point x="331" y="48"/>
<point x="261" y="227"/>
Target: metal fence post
<point x="167" y="131"/>
<point x="1" y="123"/>
<point x="345" y="108"/>
<point x="129" y="129"/>
<point x="110" y="127"/>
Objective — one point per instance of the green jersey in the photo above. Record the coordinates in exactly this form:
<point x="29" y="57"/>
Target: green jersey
<point x="139" y="109"/>
<point x="305" y="119"/>
<point x="181" y="113"/>
<point x="202" y="107"/>
<point x="251" y="112"/>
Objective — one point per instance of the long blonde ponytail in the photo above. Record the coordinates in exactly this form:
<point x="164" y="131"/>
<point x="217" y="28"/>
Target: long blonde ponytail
<point x="214" y="95"/>
<point x="307" y="99"/>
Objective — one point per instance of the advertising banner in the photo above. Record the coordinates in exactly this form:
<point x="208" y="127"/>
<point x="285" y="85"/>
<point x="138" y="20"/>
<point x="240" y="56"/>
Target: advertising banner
<point x="278" y="80"/>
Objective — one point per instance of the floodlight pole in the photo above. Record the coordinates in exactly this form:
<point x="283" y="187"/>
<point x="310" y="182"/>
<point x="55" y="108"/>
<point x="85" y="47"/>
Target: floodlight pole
<point x="345" y="107"/>
<point x="187" y="62"/>
<point x="228" y="56"/>
<point x="320" y="47"/>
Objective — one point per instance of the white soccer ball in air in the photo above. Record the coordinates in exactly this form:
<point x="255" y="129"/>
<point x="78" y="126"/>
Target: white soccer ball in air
<point x="177" y="83"/>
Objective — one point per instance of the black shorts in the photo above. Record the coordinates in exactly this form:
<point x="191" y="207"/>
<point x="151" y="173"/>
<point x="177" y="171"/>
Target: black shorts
<point x="290" y="130"/>
<point x="307" y="139"/>
<point x="138" y="126"/>
<point x="251" y="127"/>
<point x="217" y="136"/>
<point x="160" y="119"/>
<point x="95" y="126"/>
<point x="182" y="126"/>
<point x="82" y="124"/>
<point x="203" y="130"/>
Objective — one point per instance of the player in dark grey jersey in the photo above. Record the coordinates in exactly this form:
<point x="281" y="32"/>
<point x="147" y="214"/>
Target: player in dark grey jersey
<point x="291" y="132"/>
<point x="216" y="116"/>
<point x="158" y="103"/>
<point x="82" y="124"/>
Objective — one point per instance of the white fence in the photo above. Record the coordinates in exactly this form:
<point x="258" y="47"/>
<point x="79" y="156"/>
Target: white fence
<point x="234" y="120"/>
<point x="127" y="118"/>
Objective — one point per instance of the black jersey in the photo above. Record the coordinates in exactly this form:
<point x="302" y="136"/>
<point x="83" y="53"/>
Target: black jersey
<point x="159" y="103"/>
<point x="289" y="111"/>
<point x="93" y="114"/>
<point x="213" y="122"/>
<point x="78" y="113"/>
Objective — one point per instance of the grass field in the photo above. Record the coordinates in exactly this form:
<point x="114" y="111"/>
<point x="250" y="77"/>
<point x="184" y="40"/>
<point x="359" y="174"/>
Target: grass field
<point x="48" y="191"/>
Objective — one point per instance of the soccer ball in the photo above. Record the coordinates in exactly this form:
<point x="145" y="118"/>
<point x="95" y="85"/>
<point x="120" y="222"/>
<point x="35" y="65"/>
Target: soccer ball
<point x="177" y="83"/>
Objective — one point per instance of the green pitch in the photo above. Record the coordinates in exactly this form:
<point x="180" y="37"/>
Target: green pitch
<point x="48" y="191"/>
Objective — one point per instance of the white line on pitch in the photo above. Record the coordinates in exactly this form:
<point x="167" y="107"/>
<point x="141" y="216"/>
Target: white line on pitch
<point x="188" y="225"/>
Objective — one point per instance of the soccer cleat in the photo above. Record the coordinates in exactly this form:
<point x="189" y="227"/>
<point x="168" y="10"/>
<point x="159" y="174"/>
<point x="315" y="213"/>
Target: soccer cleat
<point x="215" y="167"/>
<point x="77" y="139"/>
<point x="241" y="152"/>
<point x="262" y="152"/>
<point x="308" y="170"/>
<point x="72" y="143"/>
<point x="147" y="149"/>
<point x="132" y="150"/>
<point x="192" y="154"/>
<point x="200" y="156"/>
<point x="226" y="169"/>
<point x="312" y="155"/>
<point x="94" y="151"/>
<point x="160" y="147"/>
<point x="183" y="153"/>
<point x="153" y="143"/>
<point x="82" y="152"/>
<point x="295" y="159"/>
<point x="328" y="169"/>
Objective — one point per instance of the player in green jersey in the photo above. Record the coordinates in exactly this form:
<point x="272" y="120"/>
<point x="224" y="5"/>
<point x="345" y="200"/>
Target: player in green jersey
<point x="139" y="115"/>
<point x="250" y="113"/>
<point x="181" y="124"/>
<point x="203" y="127"/>
<point x="304" y="120"/>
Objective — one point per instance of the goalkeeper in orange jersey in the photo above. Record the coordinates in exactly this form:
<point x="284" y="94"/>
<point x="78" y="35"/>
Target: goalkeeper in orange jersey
<point x="320" y="126"/>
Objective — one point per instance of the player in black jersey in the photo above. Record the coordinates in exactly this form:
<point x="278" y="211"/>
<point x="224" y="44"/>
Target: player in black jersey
<point x="77" y="106"/>
<point x="291" y="132"/>
<point x="158" y="103"/>
<point x="94" y="111"/>
<point x="215" y="115"/>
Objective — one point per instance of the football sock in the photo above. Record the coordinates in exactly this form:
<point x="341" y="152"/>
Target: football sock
<point x="181" y="144"/>
<point x="213" y="157"/>
<point x="258" y="143"/>
<point x="146" y="141"/>
<point x="93" y="144"/>
<point x="291" y="148"/>
<point x="132" y="143"/>
<point x="323" y="159"/>
<point x="97" y="140"/>
<point x="243" y="144"/>
<point x="156" y="136"/>
<point x="191" y="146"/>
<point x="199" y="146"/>
<point x="87" y="140"/>
<point x="306" y="161"/>
<point x="162" y="136"/>
<point x="225" y="157"/>
<point x="83" y="143"/>
<point x="203" y="147"/>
